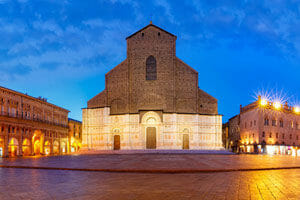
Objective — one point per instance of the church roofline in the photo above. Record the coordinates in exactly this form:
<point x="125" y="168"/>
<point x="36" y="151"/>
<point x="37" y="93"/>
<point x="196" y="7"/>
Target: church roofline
<point x="149" y="26"/>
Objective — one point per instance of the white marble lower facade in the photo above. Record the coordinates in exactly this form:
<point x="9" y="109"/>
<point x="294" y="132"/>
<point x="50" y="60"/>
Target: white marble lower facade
<point x="101" y="131"/>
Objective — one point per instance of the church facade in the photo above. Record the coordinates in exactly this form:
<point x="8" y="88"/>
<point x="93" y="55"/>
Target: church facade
<point x="151" y="100"/>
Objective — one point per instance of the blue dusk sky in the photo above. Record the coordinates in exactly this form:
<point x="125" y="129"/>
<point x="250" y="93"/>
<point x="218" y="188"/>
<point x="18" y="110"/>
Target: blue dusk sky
<point x="61" y="49"/>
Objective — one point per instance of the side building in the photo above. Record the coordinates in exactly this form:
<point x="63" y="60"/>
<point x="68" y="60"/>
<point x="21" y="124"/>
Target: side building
<point x="266" y="127"/>
<point x="75" y="134"/>
<point x="31" y="126"/>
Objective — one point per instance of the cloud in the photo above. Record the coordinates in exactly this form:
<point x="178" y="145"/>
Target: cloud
<point x="50" y="26"/>
<point x="168" y="10"/>
<point x="50" y="46"/>
<point x="265" y="25"/>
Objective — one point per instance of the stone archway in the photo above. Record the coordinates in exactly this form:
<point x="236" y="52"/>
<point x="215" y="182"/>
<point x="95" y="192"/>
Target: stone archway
<point x="63" y="147"/>
<point x="37" y="142"/>
<point x="47" y="147"/>
<point x="26" y="147"/>
<point x="37" y="147"/>
<point x="55" y="147"/>
<point x="75" y="146"/>
<point x="13" y="147"/>
<point x="151" y="122"/>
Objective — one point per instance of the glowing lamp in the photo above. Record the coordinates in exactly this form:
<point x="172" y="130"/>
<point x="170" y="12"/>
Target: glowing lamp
<point x="277" y="105"/>
<point x="297" y="110"/>
<point x="263" y="102"/>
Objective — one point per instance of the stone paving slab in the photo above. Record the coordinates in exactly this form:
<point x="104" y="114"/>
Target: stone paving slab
<point x="56" y="184"/>
<point x="163" y="162"/>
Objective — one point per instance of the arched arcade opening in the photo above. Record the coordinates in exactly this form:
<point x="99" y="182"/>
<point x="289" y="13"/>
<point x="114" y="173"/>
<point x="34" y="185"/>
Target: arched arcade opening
<point x="26" y="147"/>
<point x="13" y="147"/>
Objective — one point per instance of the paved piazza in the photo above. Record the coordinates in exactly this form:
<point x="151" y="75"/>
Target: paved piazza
<point x="18" y="183"/>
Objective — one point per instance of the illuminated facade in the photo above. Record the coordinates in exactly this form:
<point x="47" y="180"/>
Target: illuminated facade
<point x="75" y="134"/>
<point x="31" y="126"/>
<point x="151" y="100"/>
<point x="269" y="126"/>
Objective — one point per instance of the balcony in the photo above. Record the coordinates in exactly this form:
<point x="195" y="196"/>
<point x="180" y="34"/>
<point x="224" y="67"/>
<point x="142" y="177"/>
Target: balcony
<point x="22" y="116"/>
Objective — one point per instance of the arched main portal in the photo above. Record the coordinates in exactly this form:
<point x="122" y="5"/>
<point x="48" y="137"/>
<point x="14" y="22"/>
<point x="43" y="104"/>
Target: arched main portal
<point x="151" y="122"/>
<point x="13" y="147"/>
<point x="47" y="148"/>
<point x="55" y="147"/>
<point x="26" y="148"/>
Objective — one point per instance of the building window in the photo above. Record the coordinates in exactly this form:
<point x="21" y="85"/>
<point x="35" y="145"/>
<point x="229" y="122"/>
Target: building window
<point x="263" y="134"/>
<point x="274" y="122"/>
<point x="281" y="123"/>
<point x="270" y="135"/>
<point x="297" y="137"/>
<point x="298" y="126"/>
<point x="283" y="136"/>
<point x="292" y="124"/>
<point x="254" y="122"/>
<point x="151" y="68"/>
<point x="291" y="136"/>
<point x="266" y="122"/>
<point x="276" y="135"/>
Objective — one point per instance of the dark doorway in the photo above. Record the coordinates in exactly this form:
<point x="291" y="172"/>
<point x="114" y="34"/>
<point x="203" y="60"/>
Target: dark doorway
<point x="117" y="143"/>
<point x="151" y="138"/>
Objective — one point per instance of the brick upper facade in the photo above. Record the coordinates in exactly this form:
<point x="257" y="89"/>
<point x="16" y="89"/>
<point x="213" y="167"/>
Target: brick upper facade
<point x="173" y="90"/>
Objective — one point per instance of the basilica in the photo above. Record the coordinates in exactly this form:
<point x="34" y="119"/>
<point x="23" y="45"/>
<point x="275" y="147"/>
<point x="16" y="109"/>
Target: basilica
<point x="151" y="100"/>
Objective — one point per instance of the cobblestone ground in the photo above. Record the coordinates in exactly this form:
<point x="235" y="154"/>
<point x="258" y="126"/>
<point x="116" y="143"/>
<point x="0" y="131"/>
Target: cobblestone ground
<point x="56" y="184"/>
<point x="60" y="184"/>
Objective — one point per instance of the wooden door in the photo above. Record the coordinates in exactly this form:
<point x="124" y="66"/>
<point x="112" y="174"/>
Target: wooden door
<point x="117" y="142"/>
<point x="151" y="138"/>
<point x="185" y="141"/>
